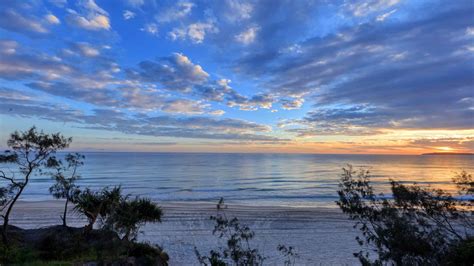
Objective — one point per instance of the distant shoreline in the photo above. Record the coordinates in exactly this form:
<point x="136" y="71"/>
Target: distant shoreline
<point x="448" y="153"/>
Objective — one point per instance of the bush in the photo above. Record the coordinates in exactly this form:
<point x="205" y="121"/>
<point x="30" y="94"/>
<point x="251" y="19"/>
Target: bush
<point x="95" y="205"/>
<point x="239" y="250"/>
<point x="129" y="215"/>
<point x="418" y="226"/>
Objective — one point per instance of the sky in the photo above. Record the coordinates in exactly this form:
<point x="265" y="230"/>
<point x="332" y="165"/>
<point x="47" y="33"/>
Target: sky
<point x="324" y="76"/>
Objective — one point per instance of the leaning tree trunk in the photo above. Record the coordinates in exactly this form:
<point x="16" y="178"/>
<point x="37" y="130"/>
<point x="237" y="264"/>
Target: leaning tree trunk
<point x="6" y="217"/>
<point x="65" y="213"/>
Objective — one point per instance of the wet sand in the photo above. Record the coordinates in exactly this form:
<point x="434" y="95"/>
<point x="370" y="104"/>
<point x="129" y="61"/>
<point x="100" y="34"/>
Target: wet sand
<point x="321" y="236"/>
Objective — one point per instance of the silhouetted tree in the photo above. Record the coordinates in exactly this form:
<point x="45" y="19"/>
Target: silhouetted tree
<point x="238" y="250"/>
<point x="289" y="254"/>
<point x="30" y="150"/>
<point x="418" y="226"/>
<point x="129" y="215"/>
<point x="97" y="204"/>
<point x="65" y="187"/>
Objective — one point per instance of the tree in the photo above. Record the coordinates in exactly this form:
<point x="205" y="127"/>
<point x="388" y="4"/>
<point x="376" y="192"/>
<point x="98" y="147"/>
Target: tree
<point x="289" y="254"/>
<point x="238" y="250"/>
<point x="129" y="215"/>
<point x="416" y="226"/>
<point x="65" y="187"/>
<point x="97" y="204"/>
<point x="30" y="150"/>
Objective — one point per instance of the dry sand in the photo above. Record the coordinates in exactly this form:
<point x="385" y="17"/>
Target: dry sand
<point x="321" y="236"/>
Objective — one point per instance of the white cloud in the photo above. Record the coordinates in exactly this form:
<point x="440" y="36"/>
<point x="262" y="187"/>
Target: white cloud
<point x="470" y="31"/>
<point x="238" y="10"/>
<point x="180" y="10"/>
<point x="386" y="15"/>
<point x="292" y="104"/>
<point x="364" y="8"/>
<point x="86" y="49"/>
<point x="183" y="106"/>
<point x="52" y="19"/>
<point x="177" y="34"/>
<point x="92" y="18"/>
<point x="135" y="3"/>
<point x="8" y="46"/>
<point x="18" y="22"/>
<point x="127" y="14"/>
<point x="195" y="32"/>
<point x="248" y="36"/>
<point x="58" y="3"/>
<point x="150" y="28"/>
<point x="217" y="112"/>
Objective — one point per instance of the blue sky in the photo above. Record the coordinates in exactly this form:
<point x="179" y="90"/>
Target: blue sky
<point x="373" y="76"/>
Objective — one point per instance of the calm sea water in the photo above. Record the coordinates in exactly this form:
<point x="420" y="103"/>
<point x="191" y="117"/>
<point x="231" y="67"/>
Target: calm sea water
<point x="254" y="179"/>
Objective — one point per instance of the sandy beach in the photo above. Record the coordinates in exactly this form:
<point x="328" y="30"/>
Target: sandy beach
<point x="321" y="236"/>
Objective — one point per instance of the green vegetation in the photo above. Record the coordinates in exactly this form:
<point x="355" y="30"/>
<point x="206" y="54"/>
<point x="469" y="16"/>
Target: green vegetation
<point x="239" y="250"/>
<point x="418" y="226"/>
<point x="127" y="217"/>
<point x="30" y="151"/>
<point x="121" y="217"/>
<point x="414" y="226"/>
<point x="65" y="187"/>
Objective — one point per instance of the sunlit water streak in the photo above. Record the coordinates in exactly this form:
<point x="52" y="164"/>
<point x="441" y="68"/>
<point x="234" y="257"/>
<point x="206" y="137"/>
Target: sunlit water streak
<point x="254" y="179"/>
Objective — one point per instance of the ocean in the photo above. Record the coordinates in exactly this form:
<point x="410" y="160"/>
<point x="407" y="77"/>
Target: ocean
<point x="250" y="179"/>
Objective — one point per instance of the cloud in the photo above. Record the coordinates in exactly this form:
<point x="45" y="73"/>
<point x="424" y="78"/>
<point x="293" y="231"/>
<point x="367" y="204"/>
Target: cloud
<point x="196" y="127"/>
<point x="52" y="19"/>
<point x="8" y="46"/>
<point x="217" y="112"/>
<point x="249" y="104"/>
<point x="364" y="8"/>
<point x="453" y="144"/>
<point x="295" y="103"/>
<point x="175" y="72"/>
<point x="92" y="17"/>
<point x="384" y="16"/>
<point x="86" y="49"/>
<point x="176" y="12"/>
<point x="196" y="32"/>
<point x="350" y="121"/>
<point x="58" y="3"/>
<point x="404" y="73"/>
<point x="16" y="66"/>
<point x="135" y="3"/>
<point x="184" y="106"/>
<point x="127" y="14"/>
<point x="12" y="20"/>
<point x="150" y="28"/>
<point x="248" y="36"/>
<point x="237" y="10"/>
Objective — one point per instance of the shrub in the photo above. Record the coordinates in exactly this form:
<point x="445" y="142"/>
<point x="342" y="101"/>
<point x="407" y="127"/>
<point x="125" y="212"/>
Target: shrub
<point x="95" y="205"/>
<point x="418" y="226"/>
<point x="129" y="215"/>
<point x="238" y="250"/>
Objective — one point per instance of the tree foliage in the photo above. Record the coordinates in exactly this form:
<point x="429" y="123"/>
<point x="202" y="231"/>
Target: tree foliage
<point x="65" y="177"/>
<point x="129" y="215"/>
<point x="30" y="151"/>
<point x="416" y="226"/>
<point x="238" y="250"/>
<point x="97" y="204"/>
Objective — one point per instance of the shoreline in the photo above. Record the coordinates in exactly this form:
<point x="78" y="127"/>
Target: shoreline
<point x="319" y="234"/>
